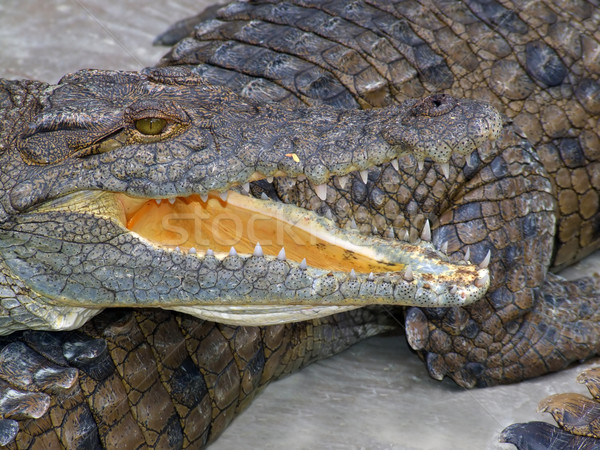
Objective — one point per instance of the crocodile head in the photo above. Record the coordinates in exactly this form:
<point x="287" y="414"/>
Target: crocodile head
<point x="153" y="189"/>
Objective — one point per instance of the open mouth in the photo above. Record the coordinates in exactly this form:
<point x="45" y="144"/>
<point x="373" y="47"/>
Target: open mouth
<point x="234" y="258"/>
<point x="250" y="226"/>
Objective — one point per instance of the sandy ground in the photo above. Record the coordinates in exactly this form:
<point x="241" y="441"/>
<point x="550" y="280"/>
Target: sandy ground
<point x="377" y="395"/>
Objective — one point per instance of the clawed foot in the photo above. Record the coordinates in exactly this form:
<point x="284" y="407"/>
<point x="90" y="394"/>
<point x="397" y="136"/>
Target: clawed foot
<point x="577" y="416"/>
<point x="483" y="345"/>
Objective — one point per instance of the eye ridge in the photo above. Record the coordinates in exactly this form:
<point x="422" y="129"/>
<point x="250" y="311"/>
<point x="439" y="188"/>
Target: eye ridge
<point x="150" y="126"/>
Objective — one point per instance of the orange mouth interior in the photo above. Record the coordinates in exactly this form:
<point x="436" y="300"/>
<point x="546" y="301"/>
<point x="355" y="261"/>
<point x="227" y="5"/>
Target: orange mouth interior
<point x="219" y="225"/>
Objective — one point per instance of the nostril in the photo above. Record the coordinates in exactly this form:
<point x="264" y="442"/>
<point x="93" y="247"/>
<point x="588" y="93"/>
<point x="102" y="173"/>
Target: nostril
<point x="434" y="105"/>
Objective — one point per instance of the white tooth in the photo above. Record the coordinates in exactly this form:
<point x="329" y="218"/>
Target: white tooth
<point x="177" y="249"/>
<point x="204" y="197"/>
<point x="444" y="248"/>
<point x="270" y="179"/>
<point x="158" y="200"/>
<point x="329" y="214"/>
<point x="258" y="251"/>
<point x="192" y="251"/>
<point x="371" y="277"/>
<point x="408" y="274"/>
<point x="468" y="255"/>
<point x="303" y="264"/>
<point x="232" y="252"/>
<point x="264" y="196"/>
<point x="395" y="164"/>
<point x="374" y="230"/>
<point x="405" y="235"/>
<point x="281" y="255"/>
<point x="321" y="191"/>
<point x="486" y="261"/>
<point x="343" y="181"/>
<point x="446" y="169"/>
<point x="389" y="233"/>
<point x="453" y="290"/>
<point x="209" y="252"/>
<point x="364" y="174"/>
<point x="480" y="282"/>
<point x="246" y="187"/>
<point x="224" y="195"/>
<point x="426" y="234"/>
<point x="353" y="224"/>
<point x="171" y="200"/>
<point x="352" y="275"/>
<point x="421" y="164"/>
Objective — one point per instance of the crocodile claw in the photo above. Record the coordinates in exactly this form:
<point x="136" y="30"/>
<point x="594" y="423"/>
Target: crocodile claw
<point x="577" y="416"/>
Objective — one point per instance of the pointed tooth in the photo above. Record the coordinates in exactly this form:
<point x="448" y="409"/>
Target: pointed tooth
<point x="468" y="254"/>
<point x="408" y="274"/>
<point x="321" y="191"/>
<point x="258" y="251"/>
<point x="426" y="233"/>
<point x="364" y="175"/>
<point x="264" y="196"/>
<point x="453" y="290"/>
<point x="204" y="197"/>
<point x="172" y="200"/>
<point x="158" y="200"/>
<point x="374" y="230"/>
<point x="209" y="252"/>
<point x="405" y="235"/>
<point x="192" y="251"/>
<point x="486" y="261"/>
<point x="224" y="195"/>
<point x="177" y="249"/>
<point x="343" y="181"/>
<point x="444" y="248"/>
<point x="352" y="275"/>
<point x="281" y="255"/>
<point x="270" y="179"/>
<point x="480" y="282"/>
<point x="370" y="277"/>
<point x="389" y="233"/>
<point x="353" y="224"/>
<point x="303" y="264"/>
<point x="329" y="214"/>
<point x="395" y="164"/>
<point x="421" y="164"/>
<point x="246" y="187"/>
<point x="446" y="169"/>
<point x="232" y="252"/>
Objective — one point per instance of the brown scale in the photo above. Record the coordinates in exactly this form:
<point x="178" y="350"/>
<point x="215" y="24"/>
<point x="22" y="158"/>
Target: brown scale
<point x="537" y="62"/>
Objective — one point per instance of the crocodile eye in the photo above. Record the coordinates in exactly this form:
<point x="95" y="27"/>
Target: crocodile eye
<point x="150" y="126"/>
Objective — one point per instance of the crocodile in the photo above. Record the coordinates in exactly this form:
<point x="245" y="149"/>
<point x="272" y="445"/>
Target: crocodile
<point x="526" y="325"/>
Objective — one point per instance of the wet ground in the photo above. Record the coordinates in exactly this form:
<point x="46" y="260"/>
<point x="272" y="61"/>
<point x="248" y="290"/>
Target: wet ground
<point x="377" y="395"/>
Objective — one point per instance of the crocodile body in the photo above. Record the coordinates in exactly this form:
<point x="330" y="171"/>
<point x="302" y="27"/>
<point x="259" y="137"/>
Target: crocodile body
<point x="482" y="344"/>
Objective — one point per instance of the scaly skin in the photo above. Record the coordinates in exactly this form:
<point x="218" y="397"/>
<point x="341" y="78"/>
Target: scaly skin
<point x="536" y="97"/>
<point x="78" y="165"/>
<point x="536" y="210"/>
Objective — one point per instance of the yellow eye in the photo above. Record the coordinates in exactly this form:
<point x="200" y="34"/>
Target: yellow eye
<point x="150" y="126"/>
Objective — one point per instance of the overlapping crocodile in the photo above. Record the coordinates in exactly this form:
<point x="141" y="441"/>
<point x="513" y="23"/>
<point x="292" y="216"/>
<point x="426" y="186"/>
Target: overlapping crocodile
<point x="506" y="198"/>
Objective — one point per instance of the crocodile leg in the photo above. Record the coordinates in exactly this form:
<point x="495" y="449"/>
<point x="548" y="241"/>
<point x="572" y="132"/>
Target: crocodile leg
<point x="577" y="415"/>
